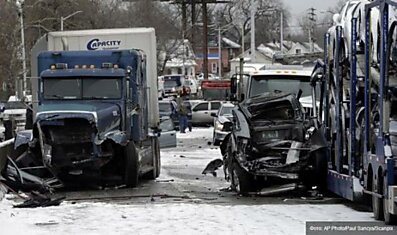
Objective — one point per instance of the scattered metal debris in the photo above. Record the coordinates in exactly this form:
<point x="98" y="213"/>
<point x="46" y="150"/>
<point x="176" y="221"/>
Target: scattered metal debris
<point x="212" y="167"/>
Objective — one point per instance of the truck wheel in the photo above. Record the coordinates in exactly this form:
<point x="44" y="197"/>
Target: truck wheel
<point x="215" y="142"/>
<point x="377" y="203"/>
<point x="242" y="181"/>
<point x="153" y="174"/>
<point x="320" y="170"/>
<point x="390" y="219"/>
<point x="131" y="170"/>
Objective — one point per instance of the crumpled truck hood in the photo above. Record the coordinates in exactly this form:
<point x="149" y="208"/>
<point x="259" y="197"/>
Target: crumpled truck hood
<point x="254" y="107"/>
<point x="105" y="116"/>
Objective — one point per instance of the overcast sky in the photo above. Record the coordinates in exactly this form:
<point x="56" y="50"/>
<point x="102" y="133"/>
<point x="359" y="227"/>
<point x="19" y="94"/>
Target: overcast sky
<point x="299" y="7"/>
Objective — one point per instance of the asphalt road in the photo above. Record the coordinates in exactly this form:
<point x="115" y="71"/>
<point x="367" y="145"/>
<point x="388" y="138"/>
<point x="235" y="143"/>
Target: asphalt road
<point x="181" y="181"/>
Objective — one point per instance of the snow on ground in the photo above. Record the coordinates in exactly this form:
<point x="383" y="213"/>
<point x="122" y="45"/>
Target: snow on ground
<point x="172" y="218"/>
<point x="104" y="218"/>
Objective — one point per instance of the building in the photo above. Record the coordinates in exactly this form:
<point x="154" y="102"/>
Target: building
<point x="180" y="58"/>
<point x="269" y="53"/>
<point x="229" y="50"/>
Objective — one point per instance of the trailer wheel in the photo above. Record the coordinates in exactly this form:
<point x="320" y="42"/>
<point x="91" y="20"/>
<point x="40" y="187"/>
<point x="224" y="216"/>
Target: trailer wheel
<point x="131" y="170"/>
<point x="377" y="203"/>
<point x="390" y="219"/>
<point x="242" y="181"/>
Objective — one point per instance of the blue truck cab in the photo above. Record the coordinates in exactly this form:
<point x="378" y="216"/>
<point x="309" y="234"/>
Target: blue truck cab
<point x="92" y="116"/>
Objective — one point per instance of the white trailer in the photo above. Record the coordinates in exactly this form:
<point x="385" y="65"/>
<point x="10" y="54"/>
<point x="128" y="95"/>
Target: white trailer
<point x="104" y="39"/>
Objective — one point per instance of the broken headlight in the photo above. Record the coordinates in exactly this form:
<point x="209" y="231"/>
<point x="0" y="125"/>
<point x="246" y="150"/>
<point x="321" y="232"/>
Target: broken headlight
<point x="218" y="126"/>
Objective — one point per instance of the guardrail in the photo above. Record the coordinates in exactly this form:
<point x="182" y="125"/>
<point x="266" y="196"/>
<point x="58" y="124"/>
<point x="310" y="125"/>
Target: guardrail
<point x="6" y="147"/>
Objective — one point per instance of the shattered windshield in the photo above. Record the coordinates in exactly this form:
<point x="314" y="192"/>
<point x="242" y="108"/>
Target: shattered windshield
<point x="281" y="110"/>
<point x="82" y="88"/>
<point x="287" y="84"/>
<point x="226" y="110"/>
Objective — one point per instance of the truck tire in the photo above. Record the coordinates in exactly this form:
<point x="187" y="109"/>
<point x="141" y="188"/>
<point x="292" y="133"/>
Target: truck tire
<point x="153" y="174"/>
<point x="131" y="170"/>
<point x="320" y="169"/>
<point x="377" y="203"/>
<point x="390" y="219"/>
<point x="215" y="142"/>
<point x="242" y="181"/>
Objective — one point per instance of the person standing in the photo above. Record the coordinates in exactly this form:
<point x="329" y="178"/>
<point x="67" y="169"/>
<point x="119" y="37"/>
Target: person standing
<point x="182" y="111"/>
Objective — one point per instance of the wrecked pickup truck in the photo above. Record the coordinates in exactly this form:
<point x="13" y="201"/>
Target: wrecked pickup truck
<point x="272" y="143"/>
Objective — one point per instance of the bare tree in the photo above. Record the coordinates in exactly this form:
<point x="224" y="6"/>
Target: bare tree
<point x="10" y="65"/>
<point x="237" y="14"/>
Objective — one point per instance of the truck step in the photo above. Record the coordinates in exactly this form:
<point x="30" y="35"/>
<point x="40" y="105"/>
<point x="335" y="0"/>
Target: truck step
<point x="54" y="183"/>
<point x="373" y="194"/>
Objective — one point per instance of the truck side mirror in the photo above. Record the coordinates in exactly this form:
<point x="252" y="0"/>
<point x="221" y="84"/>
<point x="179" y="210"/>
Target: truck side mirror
<point x="299" y="94"/>
<point x="317" y="74"/>
<point x="233" y="88"/>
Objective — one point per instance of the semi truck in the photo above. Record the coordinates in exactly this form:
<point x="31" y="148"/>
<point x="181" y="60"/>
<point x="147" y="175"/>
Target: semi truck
<point x="103" y="39"/>
<point x="358" y="94"/>
<point x="95" y="107"/>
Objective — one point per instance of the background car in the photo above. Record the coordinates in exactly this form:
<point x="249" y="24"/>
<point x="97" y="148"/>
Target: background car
<point x="167" y="137"/>
<point x="222" y="123"/>
<point x="192" y="84"/>
<point x="168" y="108"/>
<point x="201" y="112"/>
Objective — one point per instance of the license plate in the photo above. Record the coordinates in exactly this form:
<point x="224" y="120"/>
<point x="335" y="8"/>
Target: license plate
<point x="270" y="135"/>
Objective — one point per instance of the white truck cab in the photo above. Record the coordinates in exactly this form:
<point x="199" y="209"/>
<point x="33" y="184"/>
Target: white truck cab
<point x="279" y="78"/>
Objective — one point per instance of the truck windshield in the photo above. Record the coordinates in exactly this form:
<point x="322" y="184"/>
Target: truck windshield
<point x="82" y="88"/>
<point x="15" y="105"/>
<point x="287" y="84"/>
<point x="171" y="84"/>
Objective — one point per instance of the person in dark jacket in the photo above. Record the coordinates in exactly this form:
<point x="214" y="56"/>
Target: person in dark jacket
<point x="182" y="110"/>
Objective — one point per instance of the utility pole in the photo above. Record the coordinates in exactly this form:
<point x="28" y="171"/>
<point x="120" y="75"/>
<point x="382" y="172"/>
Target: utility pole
<point x="219" y="52"/>
<point x="23" y="53"/>
<point x="205" y="24"/>
<point x="184" y="18"/>
<point x="253" y="12"/>
<point x="193" y="20"/>
<point x="312" y="19"/>
<point x="281" y="31"/>
<point x="205" y="40"/>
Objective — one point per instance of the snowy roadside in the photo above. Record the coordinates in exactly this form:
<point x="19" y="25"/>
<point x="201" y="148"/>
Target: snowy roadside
<point x="192" y="153"/>
<point x="175" y="218"/>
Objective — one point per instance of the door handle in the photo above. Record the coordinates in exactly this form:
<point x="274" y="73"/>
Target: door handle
<point x="206" y="112"/>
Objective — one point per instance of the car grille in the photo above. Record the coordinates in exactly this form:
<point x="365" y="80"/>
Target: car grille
<point x="227" y="126"/>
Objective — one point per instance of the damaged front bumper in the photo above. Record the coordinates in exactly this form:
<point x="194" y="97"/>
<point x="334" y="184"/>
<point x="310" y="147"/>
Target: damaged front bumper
<point x="282" y="159"/>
